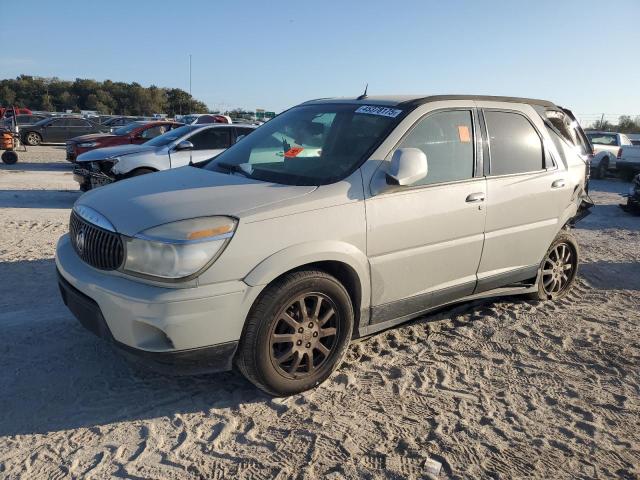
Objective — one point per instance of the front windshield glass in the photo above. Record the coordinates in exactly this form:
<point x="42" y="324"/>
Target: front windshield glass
<point x="127" y="129"/>
<point x="170" y="136"/>
<point x="310" y="144"/>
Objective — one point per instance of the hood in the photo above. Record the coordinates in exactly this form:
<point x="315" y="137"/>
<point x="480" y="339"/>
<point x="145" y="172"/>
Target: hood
<point x="110" y="152"/>
<point x="146" y="201"/>
<point x="90" y="137"/>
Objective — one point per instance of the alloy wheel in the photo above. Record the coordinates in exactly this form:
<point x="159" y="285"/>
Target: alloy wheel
<point x="559" y="269"/>
<point x="304" y="335"/>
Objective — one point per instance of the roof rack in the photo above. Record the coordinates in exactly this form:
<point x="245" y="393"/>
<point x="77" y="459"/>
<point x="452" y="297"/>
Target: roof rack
<point x="436" y="98"/>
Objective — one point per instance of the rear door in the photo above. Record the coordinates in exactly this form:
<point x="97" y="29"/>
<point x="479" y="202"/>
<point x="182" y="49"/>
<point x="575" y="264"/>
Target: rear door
<point x="527" y="192"/>
<point x="77" y="127"/>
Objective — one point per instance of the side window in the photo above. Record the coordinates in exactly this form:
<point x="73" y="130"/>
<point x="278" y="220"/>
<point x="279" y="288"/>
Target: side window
<point x="59" y="122"/>
<point x="76" y="122"/>
<point x="153" y="132"/>
<point x="514" y="144"/>
<point x="624" y="140"/>
<point x="211" y="139"/>
<point x="446" y="138"/>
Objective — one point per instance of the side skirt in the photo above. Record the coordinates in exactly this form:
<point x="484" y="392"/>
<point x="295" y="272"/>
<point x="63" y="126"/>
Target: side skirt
<point x="496" y="292"/>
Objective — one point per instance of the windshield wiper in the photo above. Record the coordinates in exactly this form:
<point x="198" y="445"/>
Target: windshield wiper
<point x="233" y="168"/>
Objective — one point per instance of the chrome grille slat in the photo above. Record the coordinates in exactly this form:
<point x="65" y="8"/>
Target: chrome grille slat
<point x="102" y="249"/>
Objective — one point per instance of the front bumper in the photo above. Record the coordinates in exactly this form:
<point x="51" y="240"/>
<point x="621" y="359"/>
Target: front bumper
<point x="88" y="179"/>
<point x="182" y="330"/>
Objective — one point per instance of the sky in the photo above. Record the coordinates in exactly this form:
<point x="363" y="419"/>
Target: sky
<point x="277" y="53"/>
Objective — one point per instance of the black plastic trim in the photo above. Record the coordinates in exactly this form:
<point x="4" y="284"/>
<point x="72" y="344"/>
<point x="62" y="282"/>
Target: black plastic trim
<point x="508" y="278"/>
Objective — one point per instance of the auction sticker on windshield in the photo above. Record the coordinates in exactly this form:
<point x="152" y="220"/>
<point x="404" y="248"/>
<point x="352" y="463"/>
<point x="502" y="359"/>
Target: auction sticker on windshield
<point x="383" y="111"/>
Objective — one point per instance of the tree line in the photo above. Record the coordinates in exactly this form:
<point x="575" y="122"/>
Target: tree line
<point x="117" y="98"/>
<point x="625" y="124"/>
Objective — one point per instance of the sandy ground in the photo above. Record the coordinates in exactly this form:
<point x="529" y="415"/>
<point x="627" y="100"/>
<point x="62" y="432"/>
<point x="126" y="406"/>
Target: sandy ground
<point x="499" y="389"/>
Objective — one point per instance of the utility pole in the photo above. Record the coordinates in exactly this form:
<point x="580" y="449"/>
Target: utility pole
<point x="189" y="74"/>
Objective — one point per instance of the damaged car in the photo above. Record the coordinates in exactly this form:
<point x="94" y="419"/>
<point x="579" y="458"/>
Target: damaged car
<point x="337" y="219"/>
<point x="186" y="145"/>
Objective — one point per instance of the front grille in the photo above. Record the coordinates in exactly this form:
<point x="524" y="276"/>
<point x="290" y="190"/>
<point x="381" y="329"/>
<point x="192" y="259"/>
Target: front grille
<point x="98" y="247"/>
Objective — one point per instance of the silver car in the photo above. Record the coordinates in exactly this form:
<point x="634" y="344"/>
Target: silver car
<point x="337" y="219"/>
<point x="187" y="145"/>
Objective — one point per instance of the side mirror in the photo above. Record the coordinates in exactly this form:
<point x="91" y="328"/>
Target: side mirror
<point x="408" y="165"/>
<point x="184" y="145"/>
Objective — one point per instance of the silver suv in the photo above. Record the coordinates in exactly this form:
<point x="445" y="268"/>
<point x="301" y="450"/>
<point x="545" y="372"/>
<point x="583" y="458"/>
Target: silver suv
<point x="337" y="219"/>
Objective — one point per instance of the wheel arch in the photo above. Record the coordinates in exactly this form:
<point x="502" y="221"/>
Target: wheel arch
<point x="342" y="260"/>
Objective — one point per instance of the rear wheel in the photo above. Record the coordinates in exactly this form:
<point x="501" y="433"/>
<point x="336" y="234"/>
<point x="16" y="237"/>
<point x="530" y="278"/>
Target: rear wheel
<point x="296" y="333"/>
<point x="559" y="268"/>
<point x="33" y="139"/>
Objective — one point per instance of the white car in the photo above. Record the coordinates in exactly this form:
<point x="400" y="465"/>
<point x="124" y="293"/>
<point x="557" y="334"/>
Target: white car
<point x="187" y="145"/>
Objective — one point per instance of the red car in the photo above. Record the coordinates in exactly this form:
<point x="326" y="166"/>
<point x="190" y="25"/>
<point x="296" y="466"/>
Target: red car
<point x="134" y="132"/>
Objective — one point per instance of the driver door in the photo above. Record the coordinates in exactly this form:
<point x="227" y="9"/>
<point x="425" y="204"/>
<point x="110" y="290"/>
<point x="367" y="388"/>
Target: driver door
<point x="207" y="143"/>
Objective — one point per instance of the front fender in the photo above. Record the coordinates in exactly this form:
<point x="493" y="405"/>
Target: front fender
<point x="303" y="254"/>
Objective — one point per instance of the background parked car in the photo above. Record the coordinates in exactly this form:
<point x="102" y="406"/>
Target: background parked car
<point x="606" y="146"/>
<point x="117" y="122"/>
<point x="58" y="130"/>
<point x="189" y="144"/>
<point x="202" y="118"/>
<point x="23" y="120"/>
<point x="629" y="161"/>
<point x="133" y="133"/>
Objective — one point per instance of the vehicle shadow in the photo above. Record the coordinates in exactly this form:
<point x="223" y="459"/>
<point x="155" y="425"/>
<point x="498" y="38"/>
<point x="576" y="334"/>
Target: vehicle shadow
<point x="38" y="198"/>
<point x="611" y="275"/>
<point x="609" y="185"/>
<point x="38" y="166"/>
<point x="56" y="376"/>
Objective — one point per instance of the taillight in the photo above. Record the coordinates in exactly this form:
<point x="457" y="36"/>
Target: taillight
<point x="619" y="156"/>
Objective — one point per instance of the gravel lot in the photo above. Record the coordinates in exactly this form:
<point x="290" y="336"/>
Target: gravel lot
<point x="499" y="389"/>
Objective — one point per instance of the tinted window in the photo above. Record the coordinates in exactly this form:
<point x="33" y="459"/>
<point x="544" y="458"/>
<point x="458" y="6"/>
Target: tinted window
<point x="243" y="131"/>
<point x="446" y="138"/>
<point x="211" y="138"/>
<point x="515" y="145"/>
<point x="59" y="122"/>
<point x="77" y="122"/>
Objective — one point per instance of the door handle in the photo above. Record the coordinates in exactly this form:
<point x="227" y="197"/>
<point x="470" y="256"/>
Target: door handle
<point x="558" y="184"/>
<point x="475" y="197"/>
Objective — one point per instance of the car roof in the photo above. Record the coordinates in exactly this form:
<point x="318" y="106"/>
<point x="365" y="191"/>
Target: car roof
<point x="415" y="100"/>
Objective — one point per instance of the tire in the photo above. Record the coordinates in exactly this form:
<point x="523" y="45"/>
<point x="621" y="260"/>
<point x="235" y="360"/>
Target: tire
<point x="318" y="338"/>
<point x="9" y="157"/>
<point x="559" y="268"/>
<point x="33" y="139"/>
<point x="627" y="175"/>
<point x="601" y="170"/>
<point x="139" y="171"/>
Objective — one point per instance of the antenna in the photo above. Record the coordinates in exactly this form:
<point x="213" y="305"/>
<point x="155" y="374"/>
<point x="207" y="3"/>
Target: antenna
<point x="364" y="95"/>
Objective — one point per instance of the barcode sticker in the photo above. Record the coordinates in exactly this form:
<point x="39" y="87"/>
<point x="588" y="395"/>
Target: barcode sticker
<point x="382" y="111"/>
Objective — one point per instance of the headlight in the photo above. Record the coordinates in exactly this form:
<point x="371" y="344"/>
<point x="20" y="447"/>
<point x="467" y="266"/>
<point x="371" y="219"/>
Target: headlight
<point x="88" y="144"/>
<point x="179" y="249"/>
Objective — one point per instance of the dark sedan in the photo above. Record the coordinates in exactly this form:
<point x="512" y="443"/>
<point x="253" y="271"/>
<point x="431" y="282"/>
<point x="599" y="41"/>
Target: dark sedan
<point x="58" y="130"/>
<point x="133" y="133"/>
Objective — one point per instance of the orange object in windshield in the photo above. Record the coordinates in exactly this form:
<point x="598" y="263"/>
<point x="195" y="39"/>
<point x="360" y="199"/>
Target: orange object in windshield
<point x="293" y="152"/>
<point x="464" y="134"/>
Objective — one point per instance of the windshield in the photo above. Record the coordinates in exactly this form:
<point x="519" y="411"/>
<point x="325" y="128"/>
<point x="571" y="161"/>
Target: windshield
<point x="188" y="118"/>
<point x="310" y="144"/>
<point x="171" y="136"/>
<point x="603" y="138"/>
<point x="128" y="128"/>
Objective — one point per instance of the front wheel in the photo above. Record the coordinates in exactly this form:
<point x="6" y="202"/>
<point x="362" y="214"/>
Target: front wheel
<point x="33" y="139"/>
<point x="296" y="333"/>
<point x="559" y="268"/>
